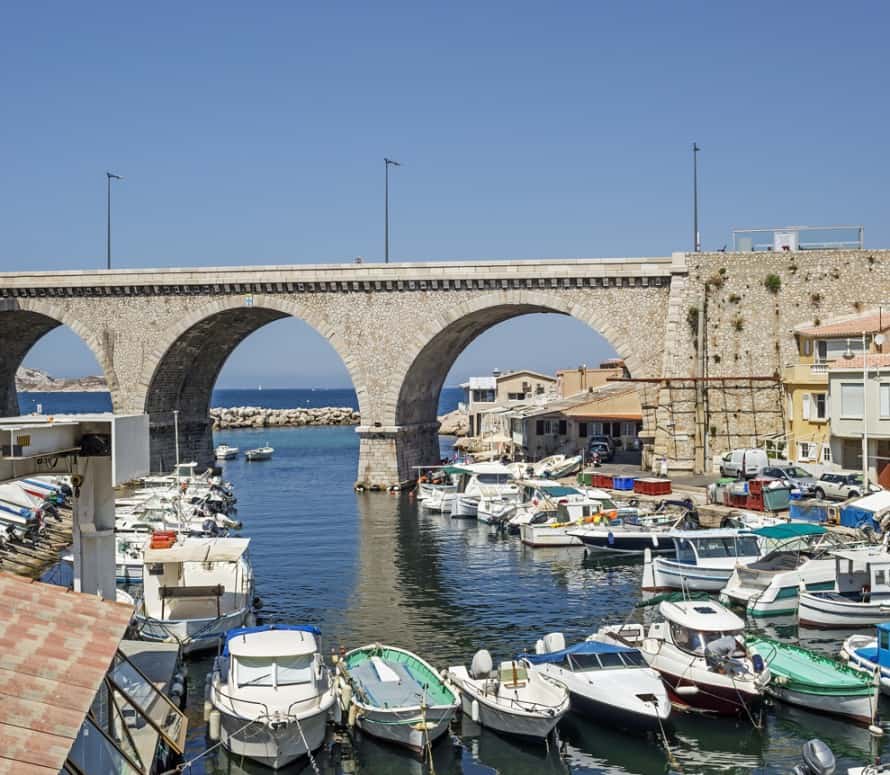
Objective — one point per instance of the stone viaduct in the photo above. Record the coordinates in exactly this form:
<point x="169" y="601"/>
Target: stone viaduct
<point x="162" y="336"/>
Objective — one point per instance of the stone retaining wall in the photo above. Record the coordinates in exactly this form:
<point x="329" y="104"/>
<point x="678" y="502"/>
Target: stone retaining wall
<point x="260" y="417"/>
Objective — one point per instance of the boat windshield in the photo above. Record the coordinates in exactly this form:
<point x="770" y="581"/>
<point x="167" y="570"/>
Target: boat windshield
<point x="283" y="671"/>
<point x="696" y="641"/>
<point x="494" y="478"/>
<point x="737" y="546"/>
<point x="581" y="663"/>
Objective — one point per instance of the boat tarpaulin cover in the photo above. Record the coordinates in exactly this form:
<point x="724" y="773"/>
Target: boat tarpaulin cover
<point x="557" y="490"/>
<point x="200" y="550"/>
<point x="585" y="647"/>
<point x="789" y="530"/>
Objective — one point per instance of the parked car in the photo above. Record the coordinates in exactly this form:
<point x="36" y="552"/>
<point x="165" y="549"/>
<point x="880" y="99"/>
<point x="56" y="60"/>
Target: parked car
<point x="744" y="463"/>
<point x="607" y="440"/>
<point x="842" y="485"/>
<point x="799" y="478"/>
<point x="602" y="450"/>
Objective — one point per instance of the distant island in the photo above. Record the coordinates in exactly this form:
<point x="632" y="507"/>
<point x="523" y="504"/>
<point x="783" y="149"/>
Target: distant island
<point x="36" y="381"/>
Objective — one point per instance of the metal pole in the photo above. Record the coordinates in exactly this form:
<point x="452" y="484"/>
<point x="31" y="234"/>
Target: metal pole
<point x="386" y="216"/>
<point x="108" y="222"/>
<point x="695" y="198"/>
<point x="864" y="414"/>
<point x="176" y="434"/>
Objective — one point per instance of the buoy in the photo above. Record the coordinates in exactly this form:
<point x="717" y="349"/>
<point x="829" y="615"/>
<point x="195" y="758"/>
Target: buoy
<point x="353" y="715"/>
<point x="177" y="688"/>
<point x="686" y="691"/>
<point x="213" y="725"/>
<point x="208" y="706"/>
<point x="474" y="711"/>
<point x="875" y="730"/>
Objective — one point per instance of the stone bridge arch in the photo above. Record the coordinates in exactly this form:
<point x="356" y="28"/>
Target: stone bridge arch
<point x="409" y="405"/>
<point x="182" y="368"/>
<point x="23" y="322"/>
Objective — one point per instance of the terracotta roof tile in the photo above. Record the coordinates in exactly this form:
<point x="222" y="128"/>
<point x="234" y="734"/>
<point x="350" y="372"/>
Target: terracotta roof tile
<point x="55" y="647"/>
<point x="875" y="360"/>
<point x="870" y="323"/>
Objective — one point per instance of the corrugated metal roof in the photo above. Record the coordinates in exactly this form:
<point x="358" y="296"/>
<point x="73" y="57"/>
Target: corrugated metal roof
<point x="55" y="647"/>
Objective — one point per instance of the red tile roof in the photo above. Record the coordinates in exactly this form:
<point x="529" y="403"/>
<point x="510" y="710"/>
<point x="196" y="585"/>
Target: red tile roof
<point x="55" y="647"/>
<point x="870" y="323"/>
<point x="875" y="360"/>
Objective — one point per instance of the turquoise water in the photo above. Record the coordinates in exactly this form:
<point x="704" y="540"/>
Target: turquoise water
<point x="373" y="567"/>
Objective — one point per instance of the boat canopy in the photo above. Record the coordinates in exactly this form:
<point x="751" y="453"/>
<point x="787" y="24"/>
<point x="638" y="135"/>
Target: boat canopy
<point x="200" y="550"/>
<point x="790" y="530"/>
<point x="273" y="640"/>
<point x="701" y="615"/>
<point x="558" y="490"/>
<point x="585" y="647"/>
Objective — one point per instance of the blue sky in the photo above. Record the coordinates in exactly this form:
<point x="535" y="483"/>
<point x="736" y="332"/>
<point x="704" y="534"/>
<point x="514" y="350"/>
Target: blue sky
<point x="255" y="134"/>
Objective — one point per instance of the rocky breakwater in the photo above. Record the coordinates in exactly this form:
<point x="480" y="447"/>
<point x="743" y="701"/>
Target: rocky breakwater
<point x="260" y="417"/>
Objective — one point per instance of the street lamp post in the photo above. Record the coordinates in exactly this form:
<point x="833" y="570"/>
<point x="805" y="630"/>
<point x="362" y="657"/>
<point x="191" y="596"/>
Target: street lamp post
<point x="696" y="239"/>
<point x="109" y="177"/>
<point x="387" y="163"/>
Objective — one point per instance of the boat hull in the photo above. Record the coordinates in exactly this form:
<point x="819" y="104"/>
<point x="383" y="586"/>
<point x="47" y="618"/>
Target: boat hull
<point x="527" y="726"/>
<point x="193" y="635"/>
<point x="860" y="709"/>
<point x="462" y="506"/>
<point x="614" y="715"/>
<point x="854" y="649"/>
<point x="622" y="543"/>
<point x="829" y="612"/>
<point x="540" y="535"/>
<point x="273" y="747"/>
<point x="666" y="574"/>
<point x="712" y="698"/>
<point x="410" y="730"/>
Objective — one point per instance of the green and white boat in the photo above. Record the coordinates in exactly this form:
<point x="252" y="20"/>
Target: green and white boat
<point x="803" y="677"/>
<point x="395" y="695"/>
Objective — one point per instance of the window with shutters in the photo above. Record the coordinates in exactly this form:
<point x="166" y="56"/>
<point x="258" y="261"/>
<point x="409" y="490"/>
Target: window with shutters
<point x="805" y="410"/>
<point x="819" y="410"/>
<point x="851" y="400"/>
<point x="885" y="400"/>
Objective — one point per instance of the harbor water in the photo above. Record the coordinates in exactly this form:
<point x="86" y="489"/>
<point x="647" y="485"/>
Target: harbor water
<point x="375" y="567"/>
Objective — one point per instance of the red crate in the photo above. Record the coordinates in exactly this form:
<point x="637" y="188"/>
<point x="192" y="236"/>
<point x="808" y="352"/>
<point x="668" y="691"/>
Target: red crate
<point x="602" y="480"/>
<point x="652" y="486"/>
<point x="755" y="502"/>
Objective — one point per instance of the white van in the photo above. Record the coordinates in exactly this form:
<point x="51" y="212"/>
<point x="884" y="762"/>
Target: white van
<point x="743" y="462"/>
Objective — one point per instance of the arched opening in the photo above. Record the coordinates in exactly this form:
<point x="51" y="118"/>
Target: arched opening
<point x="180" y="388"/>
<point x="418" y="398"/>
<point x="51" y="344"/>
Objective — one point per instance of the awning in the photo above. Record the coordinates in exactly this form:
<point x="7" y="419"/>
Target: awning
<point x="585" y="647"/>
<point x="200" y="550"/>
<point x="789" y="530"/>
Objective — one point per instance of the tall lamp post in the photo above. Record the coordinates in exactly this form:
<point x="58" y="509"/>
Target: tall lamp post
<point x="387" y="163"/>
<point x="879" y="341"/>
<point x="696" y="239"/>
<point x="109" y="177"/>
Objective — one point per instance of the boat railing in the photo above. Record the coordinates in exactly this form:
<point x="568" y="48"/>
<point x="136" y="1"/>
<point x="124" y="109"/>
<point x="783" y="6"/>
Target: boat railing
<point x="232" y="700"/>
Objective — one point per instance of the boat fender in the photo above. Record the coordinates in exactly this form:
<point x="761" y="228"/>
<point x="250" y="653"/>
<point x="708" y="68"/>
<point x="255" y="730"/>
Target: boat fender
<point x="208" y="707"/>
<point x="213" y="725"/>
<point x="177" y="688"/>
<point x="875" y="730"/>
<point x="345" y="695"/>
<point x="686" y="691"/>
<point x="757" y="663"/>
<point x="337" y="714"/>
<point x="353" y="715"/>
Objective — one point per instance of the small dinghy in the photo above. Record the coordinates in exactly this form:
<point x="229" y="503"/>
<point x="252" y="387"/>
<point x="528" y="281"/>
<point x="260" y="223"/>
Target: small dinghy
<point x="805" y="678"/>
<point x="606" y="680"/>
<point x="225" y="452"/>
<point x="394" y="695"/>
<point x="869" y="654"/>
<point x="260" y="453"/>
<point x="272" y="693"/>
<point x="514" y="700"/>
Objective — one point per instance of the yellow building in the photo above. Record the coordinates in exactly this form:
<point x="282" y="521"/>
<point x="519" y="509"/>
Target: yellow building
<point x="808" y="427"/>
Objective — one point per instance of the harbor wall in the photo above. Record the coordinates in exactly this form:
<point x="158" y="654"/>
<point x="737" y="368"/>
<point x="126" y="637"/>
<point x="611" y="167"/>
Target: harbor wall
<point x="260" y="417"/>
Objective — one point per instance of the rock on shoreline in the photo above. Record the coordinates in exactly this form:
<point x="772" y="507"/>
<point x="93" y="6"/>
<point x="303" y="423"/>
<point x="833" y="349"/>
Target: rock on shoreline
<point x="260" y="417"/>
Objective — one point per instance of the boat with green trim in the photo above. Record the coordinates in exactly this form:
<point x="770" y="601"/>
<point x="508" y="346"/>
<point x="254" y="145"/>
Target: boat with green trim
<point x="813" y="681"/>
<point x="869" y="654"/>
<point x="796" y="553"/>
<point x="395" y="695"/>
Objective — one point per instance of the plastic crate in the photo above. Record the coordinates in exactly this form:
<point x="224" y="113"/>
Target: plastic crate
<point x="585" y="478"/>
<point x="623" y="482"/>
<point x="652" y="486"/>
<point x="603" y="481"/>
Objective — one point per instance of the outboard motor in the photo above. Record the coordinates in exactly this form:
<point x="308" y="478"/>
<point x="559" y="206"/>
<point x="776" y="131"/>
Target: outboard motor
<point x="481" y="666"/>
<point x="817" y="759"/>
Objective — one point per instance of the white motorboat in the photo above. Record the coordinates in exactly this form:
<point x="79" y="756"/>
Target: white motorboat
<point x="396" y="696"/>
<point x="515" y="700"/>
<point x="631" y="534"/>
<point x="860" y="594"/>
<point x="557" y="510"/>
<point x="703" y="559"/>
<point x="557" y="466"/>
<point x="606" y="680"/>
<point x="477" y="480"/>
<point x="435" y="488"/>
<point x="273" y="693"/>
<point x="699" y="650"/>
<point x="260" y="453"/>
<point x="194" y="590"/>
<point x="225" y="452"/>
<point x="870" y="654"/>
<point x="770" y="585"/>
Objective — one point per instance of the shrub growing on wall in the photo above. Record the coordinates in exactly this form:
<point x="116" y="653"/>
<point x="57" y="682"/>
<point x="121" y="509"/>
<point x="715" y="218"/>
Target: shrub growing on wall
<point x="773" y="282"/>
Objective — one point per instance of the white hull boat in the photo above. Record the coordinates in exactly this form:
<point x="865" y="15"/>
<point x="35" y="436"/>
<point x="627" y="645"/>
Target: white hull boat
<point x="396" y="696"/>
<point x="550" y="534"/>
<point x="261" y="453"/>
<point x="514" y="701"/>
<point x="870" y="654"/>
<point x="225" y="452"/>
<point x="476" y="481"/>
<point x="273" y="693"/>
<point x="463" y="505"/>
<point x="605" y="680"/>
<point x="861" y="593"/>
<point x="829" y="610"/>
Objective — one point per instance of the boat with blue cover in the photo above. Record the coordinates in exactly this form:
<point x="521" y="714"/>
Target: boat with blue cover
<point x="870" y="654"/>
<point x="272" y="692"/>
<point x="395" y="695"/>
<point x="606" y="680"/>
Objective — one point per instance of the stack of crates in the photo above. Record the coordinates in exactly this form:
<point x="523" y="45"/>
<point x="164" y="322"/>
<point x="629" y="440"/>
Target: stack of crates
<point x="652" y="486"/>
